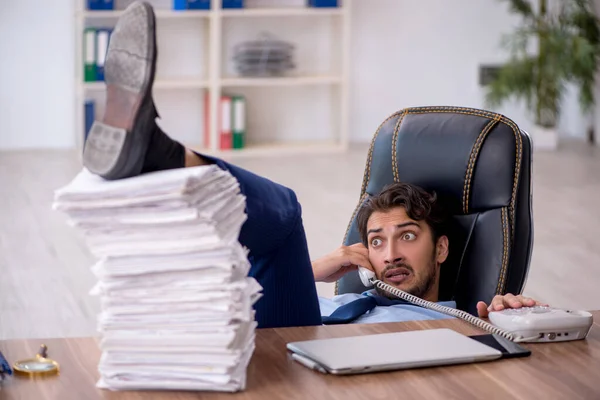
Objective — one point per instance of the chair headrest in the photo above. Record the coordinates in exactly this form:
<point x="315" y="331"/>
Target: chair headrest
<point x="451" y="151"/>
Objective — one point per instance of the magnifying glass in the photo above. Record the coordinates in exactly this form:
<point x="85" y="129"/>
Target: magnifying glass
<point x="41" y="365"/>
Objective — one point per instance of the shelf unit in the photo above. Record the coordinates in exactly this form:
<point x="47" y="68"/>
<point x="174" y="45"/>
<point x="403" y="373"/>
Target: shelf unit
<point x="159" y="14"/>
<point x="217" y="81"/>
<point x="159" y="84"/>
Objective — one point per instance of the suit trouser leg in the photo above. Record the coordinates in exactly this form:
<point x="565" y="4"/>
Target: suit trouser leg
<point x="278" y="252"/>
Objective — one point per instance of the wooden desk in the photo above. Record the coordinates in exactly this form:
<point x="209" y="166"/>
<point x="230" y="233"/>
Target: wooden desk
<point x="554" y="371"/>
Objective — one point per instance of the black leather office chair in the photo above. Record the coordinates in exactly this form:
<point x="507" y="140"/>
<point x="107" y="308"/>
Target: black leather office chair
<point x="479" y="164"/>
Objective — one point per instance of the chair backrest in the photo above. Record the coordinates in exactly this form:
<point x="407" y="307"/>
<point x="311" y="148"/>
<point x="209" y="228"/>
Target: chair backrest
<point x="479" y="164"/>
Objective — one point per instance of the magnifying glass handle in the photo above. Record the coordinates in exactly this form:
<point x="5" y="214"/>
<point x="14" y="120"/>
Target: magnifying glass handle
<point x="43" y="352"/>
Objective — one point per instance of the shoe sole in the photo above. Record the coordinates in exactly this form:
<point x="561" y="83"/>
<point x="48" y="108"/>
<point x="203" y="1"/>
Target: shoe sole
<point x="116" y="146"/>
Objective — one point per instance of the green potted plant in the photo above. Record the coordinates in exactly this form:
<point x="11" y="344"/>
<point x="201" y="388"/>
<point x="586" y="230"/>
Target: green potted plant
<point x="566" y="41"/>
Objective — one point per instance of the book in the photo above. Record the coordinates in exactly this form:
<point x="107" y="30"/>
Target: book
<point x="94" y="5"/>
<point x="323" y="3"/>
<point x="233" y="4"/>
<point x="102" y="38"/>
<point x="89" y="117"/>
<point x="89" y="54"/>
<point x="225" y="134"/>
<point x="238" y="121"/>
<point x="191" y="4"/>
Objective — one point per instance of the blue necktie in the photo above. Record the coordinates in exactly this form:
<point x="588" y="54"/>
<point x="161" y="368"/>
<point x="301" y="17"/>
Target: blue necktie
<point x="349" y="312"/>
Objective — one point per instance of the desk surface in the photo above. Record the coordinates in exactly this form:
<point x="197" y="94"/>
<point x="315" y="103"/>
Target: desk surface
<point x="563" y="370"/>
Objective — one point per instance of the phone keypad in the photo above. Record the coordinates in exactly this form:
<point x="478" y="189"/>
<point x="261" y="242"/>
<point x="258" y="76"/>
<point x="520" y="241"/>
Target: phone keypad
<point x="540" y="309"/>
<point x="527" y="310"/>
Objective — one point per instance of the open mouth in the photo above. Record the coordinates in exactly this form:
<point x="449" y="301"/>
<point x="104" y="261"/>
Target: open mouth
<point x="397" y="275"/>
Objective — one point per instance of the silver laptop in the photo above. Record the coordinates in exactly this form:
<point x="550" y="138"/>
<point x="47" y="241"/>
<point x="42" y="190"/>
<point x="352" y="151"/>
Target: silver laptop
<point x="390" y="351"/>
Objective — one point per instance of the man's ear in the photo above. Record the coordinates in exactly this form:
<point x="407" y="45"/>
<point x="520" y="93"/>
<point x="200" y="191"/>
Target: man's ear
<point x="441" y="250"/>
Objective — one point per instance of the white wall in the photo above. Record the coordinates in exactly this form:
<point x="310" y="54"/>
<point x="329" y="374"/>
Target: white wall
<point x="428" y="52"/>
<point x="36" y="74"/>
<point x="404" y="53"/>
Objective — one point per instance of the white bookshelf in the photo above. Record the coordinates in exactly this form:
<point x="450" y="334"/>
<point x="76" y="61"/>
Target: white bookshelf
<point x="327" y="86"/>
<point x="282" y="12"/>
<point x="159" y="84"/>
<point x="283" y="81"/>
<point x="158" y="13"/>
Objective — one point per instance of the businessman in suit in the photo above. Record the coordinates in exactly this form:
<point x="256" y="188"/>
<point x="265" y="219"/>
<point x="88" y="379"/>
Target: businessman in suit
<point x="402" y="239"/>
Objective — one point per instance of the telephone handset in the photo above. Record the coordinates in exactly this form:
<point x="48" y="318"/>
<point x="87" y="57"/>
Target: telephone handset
<point x="525" y="324"/>
<point x="366" y="276"/>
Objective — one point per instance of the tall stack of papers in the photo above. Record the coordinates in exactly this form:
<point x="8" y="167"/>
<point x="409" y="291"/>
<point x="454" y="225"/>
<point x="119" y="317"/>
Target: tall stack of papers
<point x="176" y="299"/>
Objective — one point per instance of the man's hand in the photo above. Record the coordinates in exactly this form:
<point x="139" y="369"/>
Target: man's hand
<point x="503" y="302"/>
<point x="333" y="266"/>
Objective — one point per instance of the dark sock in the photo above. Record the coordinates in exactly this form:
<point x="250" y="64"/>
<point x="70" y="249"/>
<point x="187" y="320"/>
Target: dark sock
<point x="163" y="153"/>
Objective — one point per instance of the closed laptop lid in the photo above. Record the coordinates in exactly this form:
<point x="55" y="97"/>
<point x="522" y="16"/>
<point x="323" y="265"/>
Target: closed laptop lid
<point x="394" y="350"/>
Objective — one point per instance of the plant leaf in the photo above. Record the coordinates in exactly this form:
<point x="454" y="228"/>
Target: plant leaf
<point x="522" y="7"/>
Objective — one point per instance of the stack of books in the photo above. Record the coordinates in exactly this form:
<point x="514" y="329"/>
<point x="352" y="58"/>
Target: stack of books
<point x="176" y="300"/>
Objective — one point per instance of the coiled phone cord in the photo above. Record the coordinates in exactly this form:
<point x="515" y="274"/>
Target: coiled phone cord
<point x="478" y="322"/>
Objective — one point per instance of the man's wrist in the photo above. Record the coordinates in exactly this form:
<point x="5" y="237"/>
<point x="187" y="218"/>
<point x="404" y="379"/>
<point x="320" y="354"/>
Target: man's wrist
<point x="318" y="267"/>
<point x="316" y="272"/>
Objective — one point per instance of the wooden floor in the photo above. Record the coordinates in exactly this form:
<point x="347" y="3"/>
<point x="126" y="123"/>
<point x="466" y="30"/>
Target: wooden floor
<point x="44" y="265"/>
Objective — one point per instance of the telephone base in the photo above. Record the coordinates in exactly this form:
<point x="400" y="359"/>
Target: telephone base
<point x="544" y="324"/>
<point x="542" y="337"/>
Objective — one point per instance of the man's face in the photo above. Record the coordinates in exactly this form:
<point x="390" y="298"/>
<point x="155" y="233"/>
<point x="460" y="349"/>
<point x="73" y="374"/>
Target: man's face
<point x="403" y="254"/>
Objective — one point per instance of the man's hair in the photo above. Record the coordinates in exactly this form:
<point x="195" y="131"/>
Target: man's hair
<point x="418" y="204"/>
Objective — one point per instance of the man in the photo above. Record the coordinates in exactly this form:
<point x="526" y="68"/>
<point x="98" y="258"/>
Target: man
<point x="403" y="242"/>
<point x="128" y="142"/>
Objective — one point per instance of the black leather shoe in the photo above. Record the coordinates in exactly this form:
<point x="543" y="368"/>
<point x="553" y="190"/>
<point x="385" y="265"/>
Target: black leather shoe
<point x="116" y="146"/>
